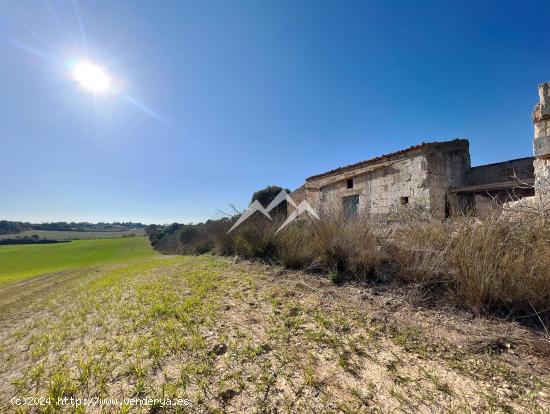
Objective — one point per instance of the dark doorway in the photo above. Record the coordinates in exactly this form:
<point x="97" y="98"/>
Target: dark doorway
<point x="351" y="205"/>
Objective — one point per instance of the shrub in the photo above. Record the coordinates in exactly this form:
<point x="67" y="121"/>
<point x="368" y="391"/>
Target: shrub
<point x="294" y="246"/>
<point x="421" y="249"/>
<point x="347" y="245"/>
<point x="488" y="266"/>
<point x="255" y="239"/>
<point x="502" y="267"/>
<point x="336" y="277"/>
<point x="189" y="238"/>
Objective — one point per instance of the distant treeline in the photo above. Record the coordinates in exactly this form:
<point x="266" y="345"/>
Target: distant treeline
<point x="188" y="238"/>
<point x="14" y="227"/>
<point x="211" y="235"/>
<point x="30" y="240"/>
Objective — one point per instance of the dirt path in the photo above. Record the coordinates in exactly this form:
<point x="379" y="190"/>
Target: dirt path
<point x="21" y="300"/>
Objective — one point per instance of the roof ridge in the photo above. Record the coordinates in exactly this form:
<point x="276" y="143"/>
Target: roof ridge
<point x="385" y="156"/>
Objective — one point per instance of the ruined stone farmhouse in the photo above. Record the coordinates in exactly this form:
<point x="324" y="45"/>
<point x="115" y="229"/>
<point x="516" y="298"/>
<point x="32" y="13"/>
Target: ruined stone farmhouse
<point x="437" y="177"/>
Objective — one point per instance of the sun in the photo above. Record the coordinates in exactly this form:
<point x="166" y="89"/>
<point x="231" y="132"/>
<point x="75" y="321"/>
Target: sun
<point x="91" y="77"/>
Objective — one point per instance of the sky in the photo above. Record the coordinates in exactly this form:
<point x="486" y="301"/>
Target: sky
<point x="217" y="99"/>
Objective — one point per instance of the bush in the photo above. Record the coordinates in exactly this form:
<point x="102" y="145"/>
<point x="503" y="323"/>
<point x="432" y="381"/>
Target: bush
<point x="294" y="247"/>
<point x="189" y="238"/>
<point x="421" y="249"/>
<point x="502" y="267"/>
<point x="336" y="277"/>
<point x="347" y="245"/>
<point x="488" y="266"/>
<point x="256" y="239"/>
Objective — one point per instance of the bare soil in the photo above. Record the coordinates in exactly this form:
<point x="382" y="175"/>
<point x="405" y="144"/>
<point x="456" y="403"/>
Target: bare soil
<point x="244" y="337"/>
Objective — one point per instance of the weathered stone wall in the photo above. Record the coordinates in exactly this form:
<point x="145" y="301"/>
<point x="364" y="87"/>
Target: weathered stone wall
<point x="541" y="144"/>
<point x="298" y="196"/>
<point x="382" y="189"/>
<point x="484" y="204"/>
<point x="541" y="120"/>
<point x="417" y="178"/>
<point x="542" y="175"/>
<point x="541" y="140"/>
<point x="522" y="168"/>
<point x="447" y="167"/>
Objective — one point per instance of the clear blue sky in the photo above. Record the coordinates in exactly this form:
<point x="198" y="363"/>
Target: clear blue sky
<point x="220" y="98"/>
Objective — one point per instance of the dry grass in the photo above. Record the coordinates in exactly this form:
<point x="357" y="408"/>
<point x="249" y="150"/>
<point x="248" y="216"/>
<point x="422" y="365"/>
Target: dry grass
<point x="332" y="244"/>
<point x="347" y="245"/>
<point x="503" y="266"/>
<point x="489" y="266"/>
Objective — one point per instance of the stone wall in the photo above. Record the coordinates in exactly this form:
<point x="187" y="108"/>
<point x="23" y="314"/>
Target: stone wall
<point x="484" y="204"/>
<point x="542" y="175"/>
<point x="522" y="168"/>
<point x="541" y="121"/>
<point x="417" y="178"/>
<point x="541" y="140"/>
<point x="448" y="167"/>
<point x="381" y="189"/>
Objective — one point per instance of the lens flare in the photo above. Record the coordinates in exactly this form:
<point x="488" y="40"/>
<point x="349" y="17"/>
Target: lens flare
<point x="91" y="77"/>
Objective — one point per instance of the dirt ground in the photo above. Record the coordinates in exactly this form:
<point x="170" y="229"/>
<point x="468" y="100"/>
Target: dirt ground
<point x="218" y="335"/>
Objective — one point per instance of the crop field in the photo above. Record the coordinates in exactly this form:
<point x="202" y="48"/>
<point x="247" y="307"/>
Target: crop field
<point x="75" y="235"/>
<point x="18" y="262"/>
<point x="232" y="336"/>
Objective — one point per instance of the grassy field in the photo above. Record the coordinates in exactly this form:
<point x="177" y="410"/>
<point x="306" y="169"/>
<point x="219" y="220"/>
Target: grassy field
<point x="74" y="235"/>
<point x="241" y="337"/>
<point x="18" y="262"/>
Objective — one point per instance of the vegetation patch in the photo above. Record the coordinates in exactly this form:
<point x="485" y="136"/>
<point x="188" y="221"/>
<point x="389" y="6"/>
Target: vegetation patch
<point x="245" y="337"/>
<point x="490" y="266"/>
<point x="19" y="262"/>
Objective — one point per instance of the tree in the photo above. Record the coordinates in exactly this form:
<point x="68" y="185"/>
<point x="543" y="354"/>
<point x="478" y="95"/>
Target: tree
<point x="267" y="194"/>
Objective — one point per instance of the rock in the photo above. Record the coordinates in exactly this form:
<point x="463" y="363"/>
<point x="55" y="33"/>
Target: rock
<point x="495" y="346"/>
<point x="219" y="349"/>
<point x="227" y="395"/>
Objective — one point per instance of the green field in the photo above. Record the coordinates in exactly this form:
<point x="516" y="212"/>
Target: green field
<point x="18" y="262"/>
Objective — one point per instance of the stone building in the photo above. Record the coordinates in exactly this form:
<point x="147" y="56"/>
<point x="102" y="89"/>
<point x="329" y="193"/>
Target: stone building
<point x="437" y="177"/>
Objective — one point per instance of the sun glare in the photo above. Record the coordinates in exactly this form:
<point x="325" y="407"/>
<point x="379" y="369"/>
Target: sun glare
<point x="91" y="77"/>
